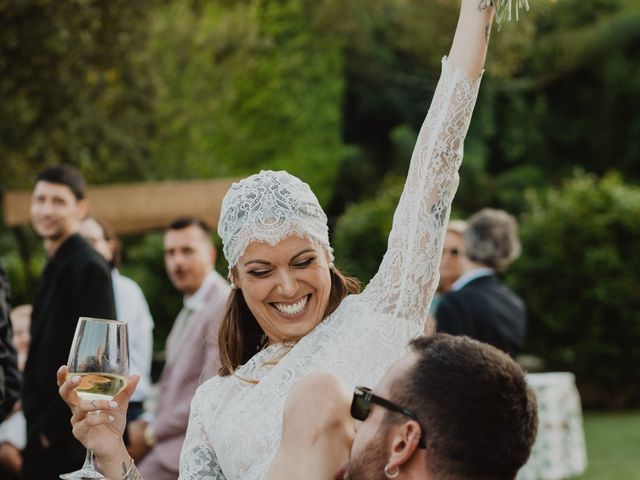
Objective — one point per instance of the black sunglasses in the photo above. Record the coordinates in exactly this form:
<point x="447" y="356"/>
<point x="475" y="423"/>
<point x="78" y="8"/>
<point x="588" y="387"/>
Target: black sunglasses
<point x="361" y="408"/>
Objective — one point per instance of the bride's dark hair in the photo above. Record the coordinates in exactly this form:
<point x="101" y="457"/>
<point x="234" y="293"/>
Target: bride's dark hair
<point x="240" y="335"/>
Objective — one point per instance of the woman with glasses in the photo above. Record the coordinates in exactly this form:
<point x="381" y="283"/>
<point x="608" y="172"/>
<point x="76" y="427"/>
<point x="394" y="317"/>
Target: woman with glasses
<point x="292" y="311"/>
<point x="452" y="255"/>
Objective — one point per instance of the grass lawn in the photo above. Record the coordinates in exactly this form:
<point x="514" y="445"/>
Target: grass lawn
<point x="613" y="446"/>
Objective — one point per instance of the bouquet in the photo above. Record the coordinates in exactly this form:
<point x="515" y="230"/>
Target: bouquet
<point x="504" y="8"/>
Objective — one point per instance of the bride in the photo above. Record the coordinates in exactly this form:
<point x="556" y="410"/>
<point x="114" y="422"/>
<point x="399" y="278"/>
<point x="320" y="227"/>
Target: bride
<point x="292" y="311"/>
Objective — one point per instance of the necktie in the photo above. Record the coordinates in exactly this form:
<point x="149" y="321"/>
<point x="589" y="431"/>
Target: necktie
<point x="178" y="332"/>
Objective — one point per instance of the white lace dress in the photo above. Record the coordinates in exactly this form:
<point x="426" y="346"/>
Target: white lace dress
<point x="235" y="426"/>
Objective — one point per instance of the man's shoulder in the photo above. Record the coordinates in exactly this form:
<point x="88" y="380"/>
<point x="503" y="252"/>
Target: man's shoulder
<point x="77" y="257"/>
<point x="217" y="291"/>
<point x="462" y="300"/>
<point x="79" y="252"/>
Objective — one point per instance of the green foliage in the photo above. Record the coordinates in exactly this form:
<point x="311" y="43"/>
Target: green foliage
<point x="360" y="235"/>
<point x="248" y="86"/>
<point x="579" y="277"/>
<point x="23" y="273"/>
<point x="73" y="89"/>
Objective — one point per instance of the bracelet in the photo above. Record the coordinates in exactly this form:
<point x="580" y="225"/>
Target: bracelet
<point x="129" y="471"/>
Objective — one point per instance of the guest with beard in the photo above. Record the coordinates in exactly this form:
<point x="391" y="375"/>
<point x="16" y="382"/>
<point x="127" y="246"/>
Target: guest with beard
<point x="452" y="408"/>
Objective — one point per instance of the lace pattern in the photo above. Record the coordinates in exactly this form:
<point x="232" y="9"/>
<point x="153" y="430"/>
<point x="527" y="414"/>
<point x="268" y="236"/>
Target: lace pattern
<point x="235" y="426"/>
<point x="269" y="207"/>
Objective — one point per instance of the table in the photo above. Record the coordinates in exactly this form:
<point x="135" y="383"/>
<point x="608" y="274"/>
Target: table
<point x="559" y="450"/>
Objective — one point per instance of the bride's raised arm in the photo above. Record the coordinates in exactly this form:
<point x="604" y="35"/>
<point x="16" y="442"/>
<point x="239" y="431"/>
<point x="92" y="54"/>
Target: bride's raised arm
<point x="408" y="275"/>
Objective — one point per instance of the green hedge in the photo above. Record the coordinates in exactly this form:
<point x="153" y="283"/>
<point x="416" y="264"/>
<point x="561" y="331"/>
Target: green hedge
<point x="580" y="277"/>
<point x="360" y="234"/>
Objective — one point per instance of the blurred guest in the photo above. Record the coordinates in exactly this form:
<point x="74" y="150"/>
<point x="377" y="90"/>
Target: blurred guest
<point x="131" y="307"/>
<point x="10" y="379"/>
<point x="451" y="264"/>
<point x="21" y="323"/>
<point x="192" y="353"/>
<point x="450" y="267"/>
<point x="479" y="304"/>
<point x="13" y="431"/>
<point x="76" y="282"/>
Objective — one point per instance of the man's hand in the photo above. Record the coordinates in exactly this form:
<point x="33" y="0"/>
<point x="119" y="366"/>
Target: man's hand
<point x="137" y="447"/>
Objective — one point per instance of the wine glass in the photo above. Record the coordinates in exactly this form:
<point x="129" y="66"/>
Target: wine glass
<point x="100" y="357"/>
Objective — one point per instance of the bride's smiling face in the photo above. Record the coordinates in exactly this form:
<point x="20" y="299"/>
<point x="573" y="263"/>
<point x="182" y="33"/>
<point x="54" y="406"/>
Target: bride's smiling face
<point x="286" y="286"/>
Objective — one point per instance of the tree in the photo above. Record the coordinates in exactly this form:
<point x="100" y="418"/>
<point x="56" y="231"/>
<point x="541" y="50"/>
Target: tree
<point x="248" y="85"/>
<point x="74" y="88"/>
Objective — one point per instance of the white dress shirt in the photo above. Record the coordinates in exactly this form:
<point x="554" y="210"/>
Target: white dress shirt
<point x="470" y="276"/>
<point x="132" y="308"/>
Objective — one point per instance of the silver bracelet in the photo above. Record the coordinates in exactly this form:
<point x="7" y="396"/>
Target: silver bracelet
<point x="129" y="471"/>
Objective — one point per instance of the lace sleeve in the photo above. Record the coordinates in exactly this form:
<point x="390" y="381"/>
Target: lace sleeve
<point x="408" y="274"/>
<point x="198" y="460"/>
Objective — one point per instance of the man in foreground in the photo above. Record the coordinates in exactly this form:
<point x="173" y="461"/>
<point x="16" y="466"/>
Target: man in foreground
<point x="452" y="408"/>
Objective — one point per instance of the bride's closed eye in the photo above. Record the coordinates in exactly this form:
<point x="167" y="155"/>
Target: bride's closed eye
<point x="304" y="263"/>
<point x="261" y="273"/>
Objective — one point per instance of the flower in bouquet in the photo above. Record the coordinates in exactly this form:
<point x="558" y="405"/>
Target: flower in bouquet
<point x="504" y="9"/>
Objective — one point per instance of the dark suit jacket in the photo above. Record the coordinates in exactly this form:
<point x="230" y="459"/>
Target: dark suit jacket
<point x="487" y="310"/>
<point x="76" y="282"/>
<point x="10" y="378"/>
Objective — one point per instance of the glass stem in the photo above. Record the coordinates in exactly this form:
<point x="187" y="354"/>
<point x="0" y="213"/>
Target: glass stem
<point x="88" y="460"/>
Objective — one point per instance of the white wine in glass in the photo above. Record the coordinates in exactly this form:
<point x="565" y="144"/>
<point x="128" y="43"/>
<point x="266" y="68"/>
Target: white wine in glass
<point x="100" y="357"/>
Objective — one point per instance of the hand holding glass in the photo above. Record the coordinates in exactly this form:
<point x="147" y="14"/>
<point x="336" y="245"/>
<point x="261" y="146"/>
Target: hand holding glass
<point x="100" y="357"/>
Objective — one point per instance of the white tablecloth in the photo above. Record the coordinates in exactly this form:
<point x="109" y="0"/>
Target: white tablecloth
<point x="559" y="451"/>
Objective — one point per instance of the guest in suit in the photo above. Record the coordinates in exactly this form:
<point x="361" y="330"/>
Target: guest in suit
<point x="450" y="268"/>
<point x="131" y="307"/>
<point x="192" y="353"/>
<point x="452" y="262"/>
<point x="76" y="282"/>
<point x="479" y="304"/>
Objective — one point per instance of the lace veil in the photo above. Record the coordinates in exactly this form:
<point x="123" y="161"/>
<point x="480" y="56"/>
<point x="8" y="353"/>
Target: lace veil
<point x="269" y="207"/>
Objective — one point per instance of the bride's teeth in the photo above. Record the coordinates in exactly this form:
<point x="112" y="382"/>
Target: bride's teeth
<point x="292" y="309"/>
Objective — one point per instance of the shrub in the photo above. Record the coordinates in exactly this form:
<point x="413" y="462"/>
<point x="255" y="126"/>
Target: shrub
<point x="361" y="233"/>
<point x="580" y="277"/>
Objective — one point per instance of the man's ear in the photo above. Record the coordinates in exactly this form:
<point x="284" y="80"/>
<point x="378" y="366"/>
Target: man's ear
<point x="404" y="438"/>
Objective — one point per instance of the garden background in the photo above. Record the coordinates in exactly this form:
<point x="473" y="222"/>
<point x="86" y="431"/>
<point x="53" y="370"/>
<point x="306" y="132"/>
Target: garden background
<point x="335" y="91"/>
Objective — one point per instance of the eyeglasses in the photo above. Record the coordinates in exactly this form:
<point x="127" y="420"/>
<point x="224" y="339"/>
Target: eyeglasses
<point x="361" y="408"/>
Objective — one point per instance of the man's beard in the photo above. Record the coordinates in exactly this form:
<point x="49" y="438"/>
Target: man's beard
<point x="55" y="236"/>
<point x="369" y="463"/>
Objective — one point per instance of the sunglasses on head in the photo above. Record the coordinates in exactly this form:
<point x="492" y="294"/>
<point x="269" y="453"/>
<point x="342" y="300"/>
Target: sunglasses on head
<point x="361" y="408"/>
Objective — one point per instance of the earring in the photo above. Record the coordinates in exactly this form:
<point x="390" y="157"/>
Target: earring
<point x="391" y="474"/>
<point x="232" y="285"/>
